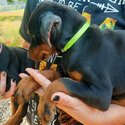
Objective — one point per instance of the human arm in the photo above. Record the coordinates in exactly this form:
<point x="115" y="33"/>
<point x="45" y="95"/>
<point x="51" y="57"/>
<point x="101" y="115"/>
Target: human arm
<point x="79" y="110"/>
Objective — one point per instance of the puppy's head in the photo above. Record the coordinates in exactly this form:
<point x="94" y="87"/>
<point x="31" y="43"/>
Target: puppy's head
<point x="51" y="26"/>
<point x="44" y="36"/>
<point x="8" y="64"/>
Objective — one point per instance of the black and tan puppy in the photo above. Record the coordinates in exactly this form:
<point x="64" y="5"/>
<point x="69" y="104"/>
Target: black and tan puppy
<point x="95" y="64"/>
<point x="14" y="60"/>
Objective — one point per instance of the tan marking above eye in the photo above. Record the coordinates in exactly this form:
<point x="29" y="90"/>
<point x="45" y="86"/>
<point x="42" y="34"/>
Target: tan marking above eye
<point x="76" y="75"/>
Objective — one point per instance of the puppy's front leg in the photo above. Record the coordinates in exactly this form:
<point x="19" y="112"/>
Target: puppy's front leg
<point x="90" y="94"/>
<point x="27" y="86"/>
<point x="47" y="109"/>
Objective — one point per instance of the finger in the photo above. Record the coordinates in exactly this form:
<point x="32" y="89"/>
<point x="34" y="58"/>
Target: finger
<point x="40" y="91"/>
<point x="64" y="99"/>
<point x="66" y="103"/>
<point x="69" y="101"/>
<point x="73" y="106"/>
<point x="11" y="91"/>
<point x="2" y="83"/>
<point x="38" y="77"/>
<point x="23" y="75"/>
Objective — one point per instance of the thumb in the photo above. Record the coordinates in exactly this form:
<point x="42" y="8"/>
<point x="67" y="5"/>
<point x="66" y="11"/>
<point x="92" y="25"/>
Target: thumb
<point x="64" y="99"/>
<point x="70" y="105"/>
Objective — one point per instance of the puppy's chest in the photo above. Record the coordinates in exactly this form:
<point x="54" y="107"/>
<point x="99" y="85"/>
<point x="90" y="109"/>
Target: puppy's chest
<point x="75" y="75"/>
<point x="73" y="69"/>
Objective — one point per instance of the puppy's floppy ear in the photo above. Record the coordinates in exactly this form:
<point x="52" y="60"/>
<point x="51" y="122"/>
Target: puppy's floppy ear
<point x="49" y="24"/>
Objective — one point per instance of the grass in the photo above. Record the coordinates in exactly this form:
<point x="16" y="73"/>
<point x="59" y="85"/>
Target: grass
<point x="9" y="28"/>
<point x="12" y="13"/>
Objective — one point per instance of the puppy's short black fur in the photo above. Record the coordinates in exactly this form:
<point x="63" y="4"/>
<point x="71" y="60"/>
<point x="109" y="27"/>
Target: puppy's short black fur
<point x="97" y="58"/>
<point x="13" y="60"/>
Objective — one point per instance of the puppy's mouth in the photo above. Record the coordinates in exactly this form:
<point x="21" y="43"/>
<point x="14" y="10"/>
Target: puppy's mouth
<point x="41" y="52"/>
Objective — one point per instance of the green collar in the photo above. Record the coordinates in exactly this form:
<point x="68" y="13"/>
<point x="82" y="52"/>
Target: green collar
<point x="76" y="36"/>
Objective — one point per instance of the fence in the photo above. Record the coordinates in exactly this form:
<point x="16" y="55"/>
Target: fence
<point x="12" y="7"/>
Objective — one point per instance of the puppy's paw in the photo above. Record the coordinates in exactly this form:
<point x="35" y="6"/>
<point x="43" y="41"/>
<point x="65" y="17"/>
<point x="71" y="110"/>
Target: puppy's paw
<point x="46" y="111"/>
<point x="25" y="89"/>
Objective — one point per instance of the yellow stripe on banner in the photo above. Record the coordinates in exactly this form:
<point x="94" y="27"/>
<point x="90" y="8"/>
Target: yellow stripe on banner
<point x="108" y="23"/>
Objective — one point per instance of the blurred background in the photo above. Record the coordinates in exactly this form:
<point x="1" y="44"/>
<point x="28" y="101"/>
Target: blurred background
<point x="11" y="12"/>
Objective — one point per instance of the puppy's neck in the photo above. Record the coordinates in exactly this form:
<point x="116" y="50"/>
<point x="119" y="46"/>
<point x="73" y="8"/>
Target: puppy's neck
<point x="70" y="34"/>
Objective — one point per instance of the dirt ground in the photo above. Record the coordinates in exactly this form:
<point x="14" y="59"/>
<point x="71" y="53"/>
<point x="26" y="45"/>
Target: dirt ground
<point x="5" y="112"/>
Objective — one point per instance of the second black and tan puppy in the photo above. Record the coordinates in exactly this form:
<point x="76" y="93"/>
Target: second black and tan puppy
<point x="95" y="63"/>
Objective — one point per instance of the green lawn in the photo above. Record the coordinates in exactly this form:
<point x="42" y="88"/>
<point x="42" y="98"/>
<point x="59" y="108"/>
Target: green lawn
<point x="9" y="27"/>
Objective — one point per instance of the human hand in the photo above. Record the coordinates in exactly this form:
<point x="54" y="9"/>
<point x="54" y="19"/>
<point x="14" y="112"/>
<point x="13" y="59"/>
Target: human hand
<point x="88" y="115"/>
<point x="45" y="83"/>
<point x="78" y="109"/>
<point x="38" y="77"/>
<point x="9" y="93"/>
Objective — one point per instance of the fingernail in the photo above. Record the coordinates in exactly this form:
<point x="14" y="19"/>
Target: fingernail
<point x="3" y="74"/>
<point x="56" y="98"/>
